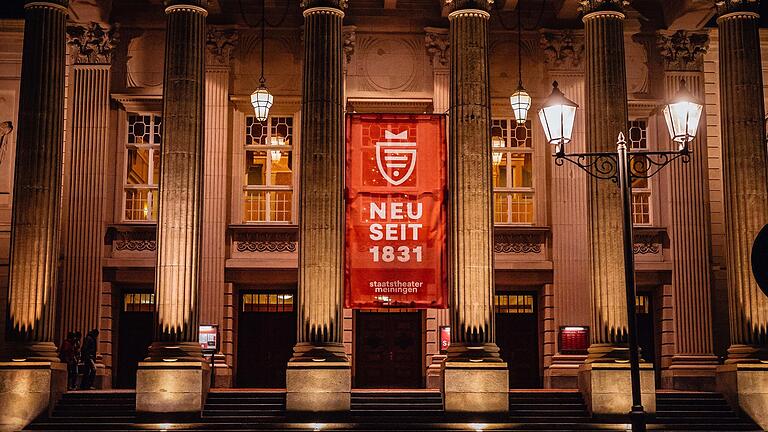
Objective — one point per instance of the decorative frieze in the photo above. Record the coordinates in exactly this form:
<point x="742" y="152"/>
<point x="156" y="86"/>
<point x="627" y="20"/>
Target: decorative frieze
<point x="518" y="242"/>
<point x="265" y="241"/>
<point x="437" y="46"/>
<point x="683" y="50"/>
<point x="220" y="44"/>
<point x="348" y="33"/>
<point x="647" y="243"/>
<point x="124" y="238"/>
<point x="336" y="4"/>
<point x="562" y="50"/>
<point x="92" y="44"/>
<point x="455" y="5"/>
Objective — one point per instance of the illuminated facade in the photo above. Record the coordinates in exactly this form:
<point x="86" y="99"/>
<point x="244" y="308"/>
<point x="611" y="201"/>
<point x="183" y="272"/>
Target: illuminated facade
<point x="241" y="193"/>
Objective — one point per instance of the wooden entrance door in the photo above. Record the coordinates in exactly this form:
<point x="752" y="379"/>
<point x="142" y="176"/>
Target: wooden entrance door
<point x="517" y="335"/>
<point x="388" y="351"/>
<point x="266" y="334"/>
<point x="645" y="327"/>
<point x="135" y="333"/>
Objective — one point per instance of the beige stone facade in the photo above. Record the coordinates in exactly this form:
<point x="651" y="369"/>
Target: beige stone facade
<point x="396" y="59"/>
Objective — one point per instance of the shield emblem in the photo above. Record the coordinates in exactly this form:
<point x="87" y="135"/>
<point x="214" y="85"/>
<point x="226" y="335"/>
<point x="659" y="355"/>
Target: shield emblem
<point x="396" y="157"/>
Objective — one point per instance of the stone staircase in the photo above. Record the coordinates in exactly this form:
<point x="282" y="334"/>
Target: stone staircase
<point x="91" y="410"/>
<point x="387" y="405"/>
<point x="245" y="406"/>
<point x="547" y="407"/>
<point x="691" y="411"/>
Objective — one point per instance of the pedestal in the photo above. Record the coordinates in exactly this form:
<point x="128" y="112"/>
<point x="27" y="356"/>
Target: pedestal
<point x="745" y="386"/>
<point x="171" y="387"/>
<point x="563" y="373"/>
<point x="691" y="373"/>
<point x="313" y="387"/>
<point x="476" y="387"/>
<point x="607" y="388"/>
<point x="435" y="372"/>
<point x="28" y="390"/>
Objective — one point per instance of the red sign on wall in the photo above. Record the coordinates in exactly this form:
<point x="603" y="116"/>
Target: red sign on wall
<point x="395" y="224"/>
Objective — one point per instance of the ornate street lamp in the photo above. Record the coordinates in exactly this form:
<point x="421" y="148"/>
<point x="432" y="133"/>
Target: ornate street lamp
<point x="261" y="99"/>
<point x="682" y="114"/>
<point x="520" y="99"/>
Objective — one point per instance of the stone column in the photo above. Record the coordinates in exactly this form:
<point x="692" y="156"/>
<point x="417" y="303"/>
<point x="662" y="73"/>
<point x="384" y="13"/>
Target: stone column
<point x="319" y="375"/>
<point x="174" y="378"/>
<point x="35" y="378"/>
<point x="693" y="362"/>
<point x="604" y="382"/>
<point x="220" y="44"/>
<point x="745" y="175"/>
<point x="476" y="379"/>
<point x="83" y="221"/>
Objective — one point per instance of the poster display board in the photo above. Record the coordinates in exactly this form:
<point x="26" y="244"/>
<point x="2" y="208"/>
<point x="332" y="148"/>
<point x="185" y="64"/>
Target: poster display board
<point x="395" y="214"/>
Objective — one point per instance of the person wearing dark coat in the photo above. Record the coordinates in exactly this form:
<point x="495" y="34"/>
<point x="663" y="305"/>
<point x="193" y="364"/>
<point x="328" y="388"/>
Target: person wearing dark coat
<point x="88" y="354"/>
<point x="69" y="356"/>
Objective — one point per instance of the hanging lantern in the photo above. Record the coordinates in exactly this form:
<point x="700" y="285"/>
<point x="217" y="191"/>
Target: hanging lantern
<point x="261" y="100"/>
<point x="497" y="142"/>
<point x="521" y="103"/>
<point x="277" y="154"/>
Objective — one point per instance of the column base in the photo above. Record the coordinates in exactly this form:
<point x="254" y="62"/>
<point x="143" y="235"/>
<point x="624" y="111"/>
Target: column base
<point x="475" y="387"/>
<point x="31" y="351"/>
<point x="607" y="388"/>
<point x="171" y="387"/>
<point x="691" y="373"/>
<point x="29" y="390"/>
<point x="745" y="387"/>
<point x="315" y="387"/>
<point x="563" y="373"/>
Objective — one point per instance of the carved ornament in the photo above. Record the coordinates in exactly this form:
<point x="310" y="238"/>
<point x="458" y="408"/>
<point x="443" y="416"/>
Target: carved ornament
<point x="437" y="46"/>
<point x="730" y="6"/>
<point x="589" y="6"/>
<point x="562" y="49"/>
<point x="265" y="242"/>
<point x="683" y="50"/>
<point x="647" y="243"/>
<point x="349" y="42"/>
<point x="92" y="44"/>
<point x="456" y="5"/>
<point x="221" y="44"/>
<point x="517" y="243"/>
<point x="337" y="4"/>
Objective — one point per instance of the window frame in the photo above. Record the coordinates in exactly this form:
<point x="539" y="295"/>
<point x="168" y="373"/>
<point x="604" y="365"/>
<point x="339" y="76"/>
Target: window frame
<point x="153" y="148"/>
<point x="245" y="188"/>
<point x="511" y="126"/>
<point x="648" y="189"/>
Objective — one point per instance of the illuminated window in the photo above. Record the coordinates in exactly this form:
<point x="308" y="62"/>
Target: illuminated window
<point x="268" y="171"/>
<point x="142" y="167"/>
<point x="641" y="189"/>
<point x="138" y="302"/>
<point x="642" y="304"/>
<point x="514" y="303"/>
<point x="267" y="302"/>
<point x="512" y="172"/>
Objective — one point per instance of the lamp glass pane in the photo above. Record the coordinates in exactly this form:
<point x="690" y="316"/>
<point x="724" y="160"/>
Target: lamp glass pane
<point x="682" y="120"/>
<point x="261" y="100"/>
<point x="521" y="103"/>
<point x="558" y="123"/>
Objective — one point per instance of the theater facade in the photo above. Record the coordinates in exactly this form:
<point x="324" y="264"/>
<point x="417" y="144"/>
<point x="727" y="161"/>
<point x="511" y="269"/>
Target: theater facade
<point x="389" y="223"/>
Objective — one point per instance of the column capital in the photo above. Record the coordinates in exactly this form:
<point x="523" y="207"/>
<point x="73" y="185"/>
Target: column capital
<point x="51" y="4"/>
<point x="220" y="44"/>
<point x="349" y="35"/>
<point x="725" y="7"/>
<point x="199" y="6"/>
<point x="683" y="50"/>
<point x="437" y="45"/>
<point x="92" y="43"/>
<point x="333" y="4"/>
<point x="591" y="6"/>
<point x="562" y="49"/>
<point x="458" y="5"/>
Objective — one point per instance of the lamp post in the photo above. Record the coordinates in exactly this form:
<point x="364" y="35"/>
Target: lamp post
<point x="682" y="116"/>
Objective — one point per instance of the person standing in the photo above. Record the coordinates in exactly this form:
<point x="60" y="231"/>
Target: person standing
<point x="88" y="354"/>
<point x="69" y="356"/>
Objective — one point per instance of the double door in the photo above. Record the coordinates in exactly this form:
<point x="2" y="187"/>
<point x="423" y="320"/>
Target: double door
<point x="388" y="350"/>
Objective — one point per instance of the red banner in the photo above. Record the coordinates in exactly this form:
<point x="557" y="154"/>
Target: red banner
<point x="395" y="225"/>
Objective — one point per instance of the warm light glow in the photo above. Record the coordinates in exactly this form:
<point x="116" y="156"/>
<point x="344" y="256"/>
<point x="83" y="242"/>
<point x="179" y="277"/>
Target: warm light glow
<point x="497" y="142"/>
<point x="478" y="427"/>
<point x="682" y="115"/>
<point x="557" y="116"/>
<point x="277" y="154"/>
<point x="521" y="103"/>
<point x="261" y="100"/>
<point x="316" y="426"/>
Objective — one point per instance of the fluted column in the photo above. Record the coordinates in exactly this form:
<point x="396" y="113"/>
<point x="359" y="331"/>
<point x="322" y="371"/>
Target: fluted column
<point x="606" y="116"/>
<point x="745" y="173"/>
<point x="693" y="360"/>
<point x="321" y="218"/>
<point x="37" y="185"/>
<point x="83" y="227"/>
<point x="470" y="199"/>
<point x="177" y="281"/>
